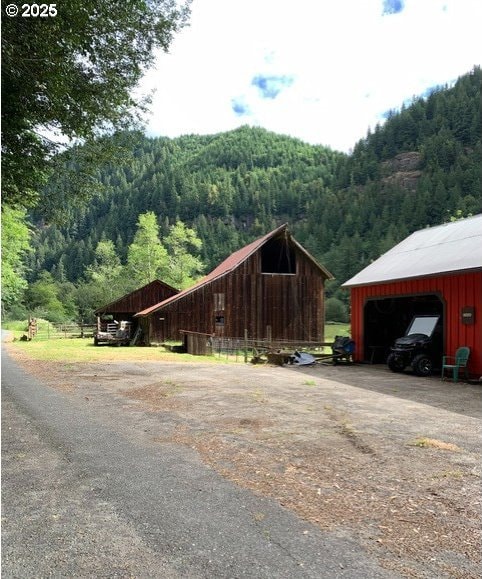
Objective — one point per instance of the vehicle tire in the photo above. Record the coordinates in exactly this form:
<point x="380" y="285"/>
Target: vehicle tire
<point x="422" y="365"/>
<point x="395" y="364"/>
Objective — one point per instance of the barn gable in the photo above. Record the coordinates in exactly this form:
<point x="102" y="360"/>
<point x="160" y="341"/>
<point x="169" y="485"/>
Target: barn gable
<point x="141" y="298"/>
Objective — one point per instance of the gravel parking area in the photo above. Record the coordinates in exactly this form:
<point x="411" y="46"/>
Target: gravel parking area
<point x="391" y="459"/>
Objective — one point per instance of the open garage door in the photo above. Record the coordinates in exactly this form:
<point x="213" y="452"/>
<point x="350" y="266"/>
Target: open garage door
<point x="386" y="319"/>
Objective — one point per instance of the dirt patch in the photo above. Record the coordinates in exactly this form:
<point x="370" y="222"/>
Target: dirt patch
<point x="401" y="475"/>
<point x="159" y="395"/>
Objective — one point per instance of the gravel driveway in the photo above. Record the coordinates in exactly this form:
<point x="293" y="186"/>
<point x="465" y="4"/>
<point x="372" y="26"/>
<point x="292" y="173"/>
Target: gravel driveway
<point x="389" y="463"/>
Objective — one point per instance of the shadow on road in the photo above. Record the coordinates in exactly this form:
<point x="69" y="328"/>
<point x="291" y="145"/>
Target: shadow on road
<point x="458" y="397"/>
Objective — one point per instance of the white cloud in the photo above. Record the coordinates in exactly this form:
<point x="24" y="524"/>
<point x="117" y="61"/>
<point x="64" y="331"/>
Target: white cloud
<point x="346" y="61"/>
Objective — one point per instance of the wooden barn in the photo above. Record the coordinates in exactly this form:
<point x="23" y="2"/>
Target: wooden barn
<point x="434" y="271"/>
<point x="272" y="288"/>
<point x="124" y="308"/>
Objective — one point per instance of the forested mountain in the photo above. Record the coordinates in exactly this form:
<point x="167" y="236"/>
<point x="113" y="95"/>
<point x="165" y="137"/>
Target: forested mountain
<point x="230" y="187"/>
<point x="421" y="167"/>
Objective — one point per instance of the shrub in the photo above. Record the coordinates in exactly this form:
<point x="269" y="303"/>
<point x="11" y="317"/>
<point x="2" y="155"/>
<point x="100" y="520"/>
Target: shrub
<point x="336" y="310"/>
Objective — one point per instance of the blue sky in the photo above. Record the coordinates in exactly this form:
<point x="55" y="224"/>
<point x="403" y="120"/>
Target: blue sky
<point x="323" y="71"/>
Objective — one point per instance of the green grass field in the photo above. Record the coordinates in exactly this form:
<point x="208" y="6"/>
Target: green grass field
<point x="332" y="330"/>
<point x="83" y="349"/>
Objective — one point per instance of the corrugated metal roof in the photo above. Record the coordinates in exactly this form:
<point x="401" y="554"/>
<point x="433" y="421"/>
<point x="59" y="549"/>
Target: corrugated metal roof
<point x="451" y="247"/>
<point x="230" y="263"/>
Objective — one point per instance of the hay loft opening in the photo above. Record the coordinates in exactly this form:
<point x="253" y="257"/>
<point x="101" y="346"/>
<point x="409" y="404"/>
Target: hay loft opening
<point x="277" y="256"/>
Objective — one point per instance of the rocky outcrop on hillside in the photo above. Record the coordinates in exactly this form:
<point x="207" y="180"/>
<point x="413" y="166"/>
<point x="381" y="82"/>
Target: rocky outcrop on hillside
<point x="404" y="169"/>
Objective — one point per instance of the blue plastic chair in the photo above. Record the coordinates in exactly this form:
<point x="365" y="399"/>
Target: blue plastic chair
<point x="460" y="360"/>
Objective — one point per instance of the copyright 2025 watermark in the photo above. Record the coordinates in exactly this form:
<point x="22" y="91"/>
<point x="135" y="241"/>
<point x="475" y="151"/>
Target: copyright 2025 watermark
<point x="31" y="10"/>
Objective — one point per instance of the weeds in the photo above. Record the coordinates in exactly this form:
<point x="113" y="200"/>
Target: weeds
<point x="309" y="383"/>
<point x="423" y="442"/>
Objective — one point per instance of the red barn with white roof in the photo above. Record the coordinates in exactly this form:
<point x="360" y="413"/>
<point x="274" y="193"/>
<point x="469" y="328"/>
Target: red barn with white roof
<point x="437" y="270"/>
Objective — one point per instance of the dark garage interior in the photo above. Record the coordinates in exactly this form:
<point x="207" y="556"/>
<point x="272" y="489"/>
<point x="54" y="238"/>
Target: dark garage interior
<point x="386" y="319"/>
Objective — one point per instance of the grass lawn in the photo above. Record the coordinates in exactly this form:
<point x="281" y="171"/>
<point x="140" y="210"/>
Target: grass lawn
<point x="83" y="349"/>
<point x="332" y="330"/>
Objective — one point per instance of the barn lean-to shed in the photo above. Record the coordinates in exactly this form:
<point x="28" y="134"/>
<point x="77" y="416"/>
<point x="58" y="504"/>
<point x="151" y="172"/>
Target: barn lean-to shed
<point x="271" y="286"/>
<point x="437" y="270"/>
<point x="125" y="307"/>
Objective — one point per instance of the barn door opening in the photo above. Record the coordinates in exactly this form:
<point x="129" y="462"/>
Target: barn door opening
<point x="386" y="319"/>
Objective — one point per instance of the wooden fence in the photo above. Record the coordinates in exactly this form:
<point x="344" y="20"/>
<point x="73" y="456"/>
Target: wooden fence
<point x="250" y="349"/>
<point x="43" y="330"/>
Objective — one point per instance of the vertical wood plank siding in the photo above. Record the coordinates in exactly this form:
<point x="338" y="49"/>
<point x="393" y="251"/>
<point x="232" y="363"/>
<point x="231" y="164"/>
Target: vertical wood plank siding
<point x="292" y="304"/>
<point x="142" y="298"/>
<point x="457" y="290"/>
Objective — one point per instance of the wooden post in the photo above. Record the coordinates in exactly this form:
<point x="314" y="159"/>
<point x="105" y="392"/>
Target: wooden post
<point x="32" y="328"/>
<point x="268" y="334"/>
<point x="245" y="346"/>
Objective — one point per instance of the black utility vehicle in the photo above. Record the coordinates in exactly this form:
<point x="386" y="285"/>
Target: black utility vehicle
<point x="419" y="348"/>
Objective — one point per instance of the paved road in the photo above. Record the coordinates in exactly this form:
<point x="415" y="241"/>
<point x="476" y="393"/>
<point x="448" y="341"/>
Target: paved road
<point x="82" y="497"/>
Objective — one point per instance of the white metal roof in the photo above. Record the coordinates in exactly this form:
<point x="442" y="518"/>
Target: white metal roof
<point x="451" y="247"/>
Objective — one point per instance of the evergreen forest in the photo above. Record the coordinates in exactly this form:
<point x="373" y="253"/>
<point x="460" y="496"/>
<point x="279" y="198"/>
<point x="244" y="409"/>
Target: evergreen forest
<point x="421" y="167"/>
